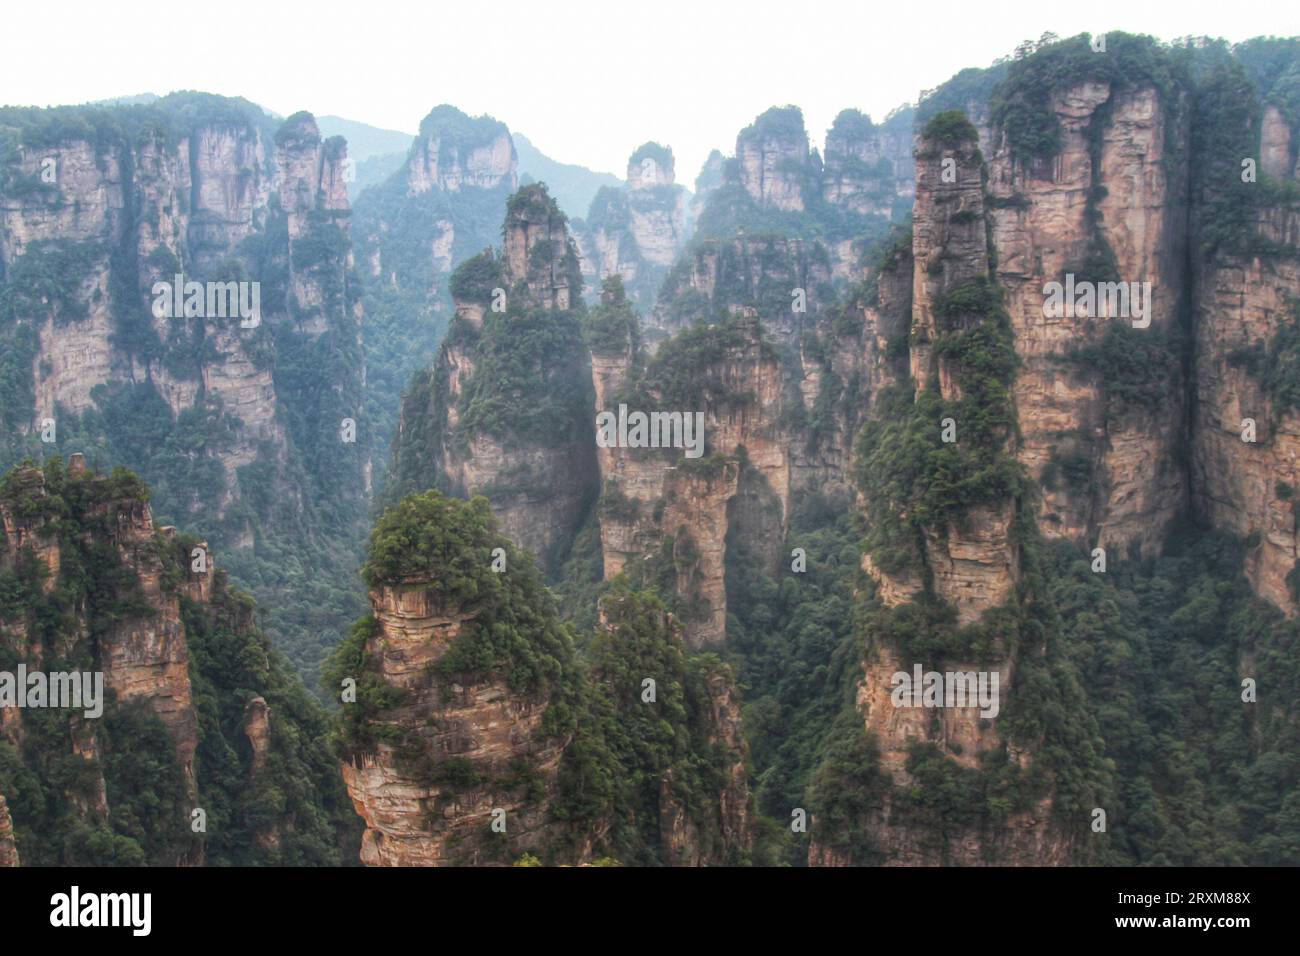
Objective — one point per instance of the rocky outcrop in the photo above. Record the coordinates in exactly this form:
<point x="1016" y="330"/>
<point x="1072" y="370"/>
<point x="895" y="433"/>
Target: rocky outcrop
<point x="8" y="848"/>
<point x="475" y="739"/>
<point x="257" y="728"/>
<point x="467" y="428"/>
<point x="711" y="176"/>
<point x="454" y="152"/>
<point x="479" y="729"/>
<point x="537" y="255"/>
<point x="826" y="360"/>
<point x="698" y="820"/>
<point x="635" y="232"/>
<point x="142" y="655"/>
<point x="726" y="733"/>
<point x="146" y="611"/>
<point x="761" y="273"/>
<point x="656" y="500"/>
<point x="1026" y="837"/>
<point x="867" y="168"/>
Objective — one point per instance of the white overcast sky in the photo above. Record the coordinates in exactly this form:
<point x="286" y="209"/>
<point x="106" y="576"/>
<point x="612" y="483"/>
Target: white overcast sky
<point x="587" y="82"/>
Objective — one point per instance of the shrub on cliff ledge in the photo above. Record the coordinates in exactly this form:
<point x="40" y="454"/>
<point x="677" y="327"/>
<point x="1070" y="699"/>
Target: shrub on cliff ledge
<point x="431" y="537"/>
<point x="474" y="279"/>
<point x="950" y="128"/>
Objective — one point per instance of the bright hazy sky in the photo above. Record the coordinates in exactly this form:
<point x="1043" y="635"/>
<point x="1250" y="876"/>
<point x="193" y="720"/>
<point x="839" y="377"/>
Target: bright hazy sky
<point x="587" y="82"/>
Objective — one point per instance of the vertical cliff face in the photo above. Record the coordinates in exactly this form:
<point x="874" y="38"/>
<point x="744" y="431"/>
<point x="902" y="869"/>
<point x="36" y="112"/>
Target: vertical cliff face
<point x="506" y="410"/>
<point x="197" y="200"/>
<point x="671" y="514"/>
<point x="537" y="254"/>
<point x="1246" y="275"/>
<point x="1137" y="187"/>
<point x="312" y="195"/>
<point x="92" y="587"/>
<point x="773" y="160"/>
<point x="1126" y="168"/>
<point x="636" y="232"/>
<point x="119" y="357"/>
<point x="1246" y="486"/>
<point x="971" y="559"/>
<point x="1086" y="410"/>
<point x="1110" y="206"/>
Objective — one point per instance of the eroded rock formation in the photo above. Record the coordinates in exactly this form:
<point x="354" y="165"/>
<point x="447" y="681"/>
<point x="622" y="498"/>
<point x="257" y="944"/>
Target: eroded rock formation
<point x="477" y="738"/>
<point x="105" y="592"/>
<point x="471" y="426"/>
<point x="636" y="232"/>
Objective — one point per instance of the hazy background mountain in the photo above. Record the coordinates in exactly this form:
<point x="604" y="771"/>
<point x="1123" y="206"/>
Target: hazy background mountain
<point x="365" y="141"/>
<point x="571" y="185"/>
<point x="378" y="153"/>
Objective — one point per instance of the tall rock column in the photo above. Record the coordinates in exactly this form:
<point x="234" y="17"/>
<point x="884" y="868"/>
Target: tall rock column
<point x="638" y="230"/>
<point x="506" y="410"/>
<point x="661" y="508"/>
<point x="970" y="557"/>
<point x="450" y="757"/>
<point x="938" y="481"/>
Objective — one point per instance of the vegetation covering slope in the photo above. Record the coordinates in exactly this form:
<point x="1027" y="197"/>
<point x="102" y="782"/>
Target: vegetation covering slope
<point x="292" y="811"/>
